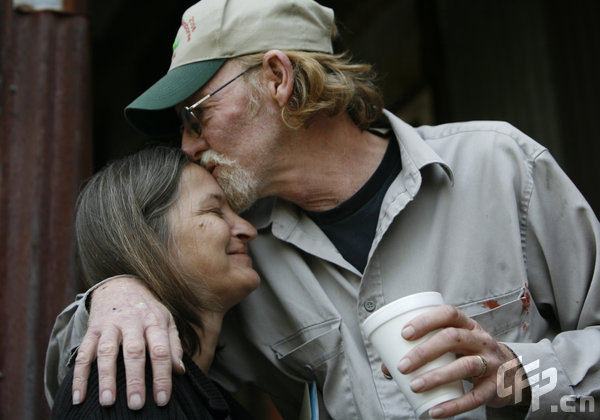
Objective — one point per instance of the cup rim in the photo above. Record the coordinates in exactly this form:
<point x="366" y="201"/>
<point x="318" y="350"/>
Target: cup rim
<point x="400" y="306"/>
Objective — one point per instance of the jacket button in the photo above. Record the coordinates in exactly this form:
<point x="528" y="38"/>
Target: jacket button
<point x="370" y="305"/>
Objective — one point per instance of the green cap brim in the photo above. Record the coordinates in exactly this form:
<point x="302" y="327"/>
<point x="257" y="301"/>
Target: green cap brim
<point x="152" y="112"/>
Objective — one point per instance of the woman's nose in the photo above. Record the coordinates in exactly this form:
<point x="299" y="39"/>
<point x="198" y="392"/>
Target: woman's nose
<point x="242" y="229"/>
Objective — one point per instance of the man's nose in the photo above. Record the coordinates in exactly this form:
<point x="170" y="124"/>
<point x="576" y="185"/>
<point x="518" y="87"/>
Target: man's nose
<point x="193" y="146"/>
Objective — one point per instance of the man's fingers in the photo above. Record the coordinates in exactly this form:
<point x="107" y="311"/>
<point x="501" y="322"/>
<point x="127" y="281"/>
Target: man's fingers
<point x="161" y="359"/>
<point x="461" y="368"/>
<point x="472" y="399"/>
<point x="176" y="348"/>
<point x="134" y="356"/>
<point x="448" y="340"/>
<point x="453" y="332"/>
<point x="83" y="362"/>
<point x="385" y="371"/>
<point x="439" y="317"/>
<point x="108" y="350"/>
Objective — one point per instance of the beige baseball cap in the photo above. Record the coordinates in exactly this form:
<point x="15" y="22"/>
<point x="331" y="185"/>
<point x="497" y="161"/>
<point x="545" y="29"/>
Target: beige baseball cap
<point x="213" y="31"/>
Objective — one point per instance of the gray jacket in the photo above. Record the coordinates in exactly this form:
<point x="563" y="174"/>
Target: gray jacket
<point x="479" y="212"/>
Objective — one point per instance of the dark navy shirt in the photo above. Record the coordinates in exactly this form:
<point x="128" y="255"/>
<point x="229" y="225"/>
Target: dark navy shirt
<point x="351" y="225"/>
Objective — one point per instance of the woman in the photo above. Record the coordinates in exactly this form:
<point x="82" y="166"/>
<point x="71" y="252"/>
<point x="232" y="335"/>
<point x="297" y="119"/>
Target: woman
<point x="164" y="219"/>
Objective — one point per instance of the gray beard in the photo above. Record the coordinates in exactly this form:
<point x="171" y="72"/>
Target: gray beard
<point x="240" y="186"/>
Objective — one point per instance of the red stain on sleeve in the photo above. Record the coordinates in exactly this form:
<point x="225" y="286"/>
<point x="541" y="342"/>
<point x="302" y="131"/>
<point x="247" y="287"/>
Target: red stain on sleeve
<point x="490" y="304"/>
<point x="526" y="301"/>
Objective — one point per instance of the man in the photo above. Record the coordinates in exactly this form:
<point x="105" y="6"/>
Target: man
<point x="355" y="209"/>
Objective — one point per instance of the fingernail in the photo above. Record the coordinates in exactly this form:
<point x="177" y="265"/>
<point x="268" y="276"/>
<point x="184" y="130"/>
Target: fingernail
<point x="408" y="332"/>
<point x="106" y="398"/>
<point x="436" y="412"/>
<point x="135" y="402"/>
<point x="161" y="398"/>
<point x="76" y="398"/>
<point x="404" y="364"/>
<point x="417" y="384"/>
<point x="182" y="365"/>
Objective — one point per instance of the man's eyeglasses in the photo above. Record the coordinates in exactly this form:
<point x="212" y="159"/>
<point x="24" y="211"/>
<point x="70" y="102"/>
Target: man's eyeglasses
<point x="190" y="116"/>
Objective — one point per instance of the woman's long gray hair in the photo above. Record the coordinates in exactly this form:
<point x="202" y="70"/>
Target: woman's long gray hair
<point x="122" y="228"/>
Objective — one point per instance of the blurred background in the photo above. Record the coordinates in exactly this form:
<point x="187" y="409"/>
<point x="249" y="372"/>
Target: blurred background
<point x="66" y="75"/>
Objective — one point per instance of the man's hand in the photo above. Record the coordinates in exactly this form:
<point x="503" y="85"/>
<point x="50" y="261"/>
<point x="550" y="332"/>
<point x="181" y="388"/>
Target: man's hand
<point x="481" y="357"/>
<point x="124" y="311"/>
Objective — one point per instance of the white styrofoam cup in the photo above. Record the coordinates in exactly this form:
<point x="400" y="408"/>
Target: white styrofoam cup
<point x="383" y="329"/>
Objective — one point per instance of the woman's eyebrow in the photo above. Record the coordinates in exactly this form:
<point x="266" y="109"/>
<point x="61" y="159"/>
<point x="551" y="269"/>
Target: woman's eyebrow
<point x="218" y="197"/>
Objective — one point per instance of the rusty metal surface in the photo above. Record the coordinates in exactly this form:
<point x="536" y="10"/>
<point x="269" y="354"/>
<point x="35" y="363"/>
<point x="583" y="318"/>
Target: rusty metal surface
<point x="45" y="143"/>
<point x="32" y="6"/>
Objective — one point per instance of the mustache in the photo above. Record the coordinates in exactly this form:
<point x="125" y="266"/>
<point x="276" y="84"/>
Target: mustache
<point x="211" y="158"/>
<point x="238" y="184"/>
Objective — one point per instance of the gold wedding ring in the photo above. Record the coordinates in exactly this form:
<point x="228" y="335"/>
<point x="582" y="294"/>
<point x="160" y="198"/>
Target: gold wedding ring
<point x="484" y="366"/>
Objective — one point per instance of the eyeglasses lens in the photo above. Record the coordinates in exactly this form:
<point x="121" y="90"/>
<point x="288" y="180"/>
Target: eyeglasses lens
<point x="190" y="121"/>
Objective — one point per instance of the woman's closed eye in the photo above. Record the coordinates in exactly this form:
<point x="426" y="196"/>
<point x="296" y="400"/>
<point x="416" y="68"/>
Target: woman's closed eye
<point x="215" y="204"/>
<point x="218" y="212"/>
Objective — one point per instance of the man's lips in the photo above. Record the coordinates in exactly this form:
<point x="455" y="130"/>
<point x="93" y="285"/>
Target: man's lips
<point x="214" y="171"/>
<point x="211" y="168"/>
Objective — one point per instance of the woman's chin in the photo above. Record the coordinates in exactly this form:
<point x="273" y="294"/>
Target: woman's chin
<point x="243" y="289"/>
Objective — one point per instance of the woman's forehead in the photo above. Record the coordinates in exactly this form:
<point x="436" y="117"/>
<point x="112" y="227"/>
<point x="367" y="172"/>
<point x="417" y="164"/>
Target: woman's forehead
<point x="198" y="184"/>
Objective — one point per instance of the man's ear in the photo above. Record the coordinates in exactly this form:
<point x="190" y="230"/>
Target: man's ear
<point x="279" y="76"/>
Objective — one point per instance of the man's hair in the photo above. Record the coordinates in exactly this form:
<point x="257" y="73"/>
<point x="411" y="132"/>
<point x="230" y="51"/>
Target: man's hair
<point x="326" y="83"/>
<point x="122" y="228"/>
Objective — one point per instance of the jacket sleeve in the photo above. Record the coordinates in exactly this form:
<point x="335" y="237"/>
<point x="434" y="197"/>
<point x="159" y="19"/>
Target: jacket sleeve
<point x="561" y="248"/>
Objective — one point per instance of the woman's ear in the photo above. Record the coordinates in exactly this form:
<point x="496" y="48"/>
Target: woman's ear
<point x="279" y="76"/>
